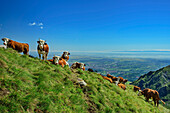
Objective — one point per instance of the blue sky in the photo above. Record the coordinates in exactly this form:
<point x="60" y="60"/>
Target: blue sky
<point x="88" y="25"/>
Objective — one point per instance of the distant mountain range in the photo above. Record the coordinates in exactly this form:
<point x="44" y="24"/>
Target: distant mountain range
<point x="158" y="80"/>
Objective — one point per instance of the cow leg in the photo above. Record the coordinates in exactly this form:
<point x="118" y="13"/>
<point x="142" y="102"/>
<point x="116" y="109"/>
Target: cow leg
<point x="67" y="63"/>
<point x="62" y="65"/>
<point x="39" y="56"/>
<point x="154" y="102"/>
<point x="147" y="99"/>
<point x="46" y="56"/>
<point x="157" y="103"/>
<point x="26" y="53"/>
<point x="43" y="57"/>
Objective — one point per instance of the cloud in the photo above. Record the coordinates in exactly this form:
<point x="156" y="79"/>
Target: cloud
<point x="32" y="24"/>
<point x="41" y="27"/>
<point x="40" y="24"/>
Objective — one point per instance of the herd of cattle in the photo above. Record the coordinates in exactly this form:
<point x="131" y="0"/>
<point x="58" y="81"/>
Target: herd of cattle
<point x="43" y="50"/>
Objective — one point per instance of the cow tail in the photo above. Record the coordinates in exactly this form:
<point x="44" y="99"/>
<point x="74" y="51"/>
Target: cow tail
<point x="162" y="101"/>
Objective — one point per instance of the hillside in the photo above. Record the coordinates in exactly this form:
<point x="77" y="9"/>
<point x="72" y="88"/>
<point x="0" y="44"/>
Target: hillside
<point x="31" y="85"/>
<point x="158" y="80"/>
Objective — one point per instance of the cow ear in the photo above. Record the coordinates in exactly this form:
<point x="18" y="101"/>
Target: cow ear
<point x="9" y="41"/>
<point x="84" y="64"/>
<point x="38" y="42"/>
<point x="68" y="53"/>
<point x="3" y="39"/>
<point x="53" y="58"/>
<point x="45" y="43"/>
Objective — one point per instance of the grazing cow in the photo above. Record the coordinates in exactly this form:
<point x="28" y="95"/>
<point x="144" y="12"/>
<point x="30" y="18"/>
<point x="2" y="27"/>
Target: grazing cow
<point x="65" y="55"/>
<point x="122" y="86"/>
<point x="107" y="78"/>
<point x="122" y="80"/>
<point x="20" y="47"/>
<point x="43" y="49"/>
<point x="57" y="60"/>
<point x="136" y="88"/>
<point x="114" y="79"/>
<point x="78" y="65"/>
<point x="149" y="93"/>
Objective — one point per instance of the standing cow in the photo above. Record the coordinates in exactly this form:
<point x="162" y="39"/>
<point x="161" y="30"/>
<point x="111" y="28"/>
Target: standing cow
<point x="43" y="49"/>
<point x="149" y="93"/>
<point x="20" y="47"/>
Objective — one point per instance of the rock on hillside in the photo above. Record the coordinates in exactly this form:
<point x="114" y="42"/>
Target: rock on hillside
<point x="158" y="80"/>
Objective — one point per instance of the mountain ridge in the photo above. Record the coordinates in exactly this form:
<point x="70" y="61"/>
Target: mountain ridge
<point x="157" y="80"/>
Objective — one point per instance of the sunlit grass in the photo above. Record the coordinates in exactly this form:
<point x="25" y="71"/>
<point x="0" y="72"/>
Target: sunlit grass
<point x="36" y="85"/>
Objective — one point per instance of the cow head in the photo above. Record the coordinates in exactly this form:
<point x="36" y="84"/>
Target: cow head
<point x="140" y="93"/>
<point x="125" y="80"/>
<point x="41" y="43"/>
<point x="6" y="40"/>
<point x="81" y="65"/>
<point x="56" y="59"/>
<point x="66" y="53"/>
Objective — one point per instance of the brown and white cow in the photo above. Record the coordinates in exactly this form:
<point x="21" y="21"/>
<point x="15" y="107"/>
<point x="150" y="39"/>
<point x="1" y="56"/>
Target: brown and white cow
<point x="65" y="55"/>
<point x="107" y="78"/>
<point x="57" y="60"/>
<point x="122" y="86"/>
<point x="20" y="47"/>
<point x="136" y="88"/>
<point x="149" y="93"/>
<point x="78" y="65"/>
<point x="122" y="80"/>
<point x="114" y="79"/>
<point x="43" y="49"/>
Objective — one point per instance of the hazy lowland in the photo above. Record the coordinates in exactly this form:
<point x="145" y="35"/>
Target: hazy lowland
<point x="130" y="65"/>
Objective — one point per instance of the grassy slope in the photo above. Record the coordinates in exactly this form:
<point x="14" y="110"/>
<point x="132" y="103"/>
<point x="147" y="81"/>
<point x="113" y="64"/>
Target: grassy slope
<point x="35" y="85"/>
<point x="158" y="80"/>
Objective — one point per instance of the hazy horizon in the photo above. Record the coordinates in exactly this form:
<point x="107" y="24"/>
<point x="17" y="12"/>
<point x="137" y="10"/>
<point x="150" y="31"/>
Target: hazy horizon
<point x="152" y="55"/>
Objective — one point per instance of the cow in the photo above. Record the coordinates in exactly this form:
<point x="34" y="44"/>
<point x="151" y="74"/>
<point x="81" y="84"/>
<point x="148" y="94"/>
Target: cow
<point x="20" y="47"/>
<point x="149" y="93"/>
<point x="90" y="70"/>
<point x="122" y="86"/>
<point x="57" y="60"/>
<point x="43" y="49"/>
<point x="78" y="65"/>
<point x="114" y="79"/>
<point x="65" y="55"/>
<point x="122" y="80"/>
<point x="107" y="78"/>
<point x="136" y="88"/>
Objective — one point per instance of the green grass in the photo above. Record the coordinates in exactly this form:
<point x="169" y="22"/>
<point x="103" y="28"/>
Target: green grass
<point x="31" y="85"/>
